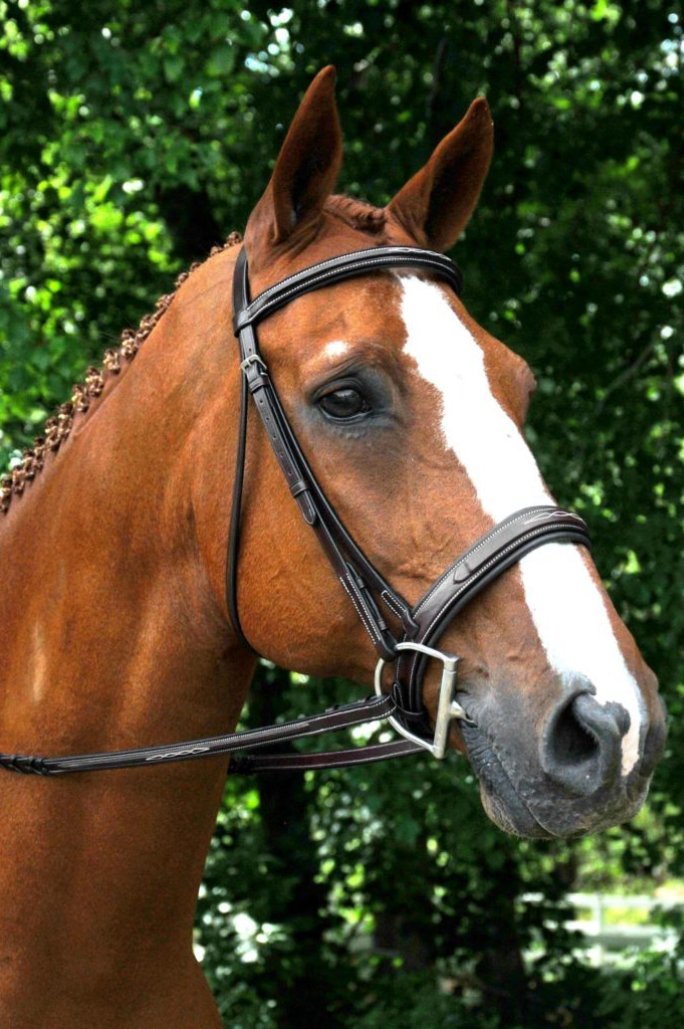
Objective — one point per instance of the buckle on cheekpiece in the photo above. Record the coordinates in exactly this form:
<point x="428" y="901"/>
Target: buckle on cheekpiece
<point x="447" y="707"/>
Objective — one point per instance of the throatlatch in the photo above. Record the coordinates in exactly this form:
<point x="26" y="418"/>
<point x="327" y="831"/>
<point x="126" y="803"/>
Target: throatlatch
<point x="420" y="626"/>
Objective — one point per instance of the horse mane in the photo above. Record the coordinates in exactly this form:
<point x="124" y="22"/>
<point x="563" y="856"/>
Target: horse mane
<point x="58" y="426"/>
<point x="358" y="214"/>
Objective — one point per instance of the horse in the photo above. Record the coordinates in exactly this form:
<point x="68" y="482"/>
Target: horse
<point x="117" y="632"/>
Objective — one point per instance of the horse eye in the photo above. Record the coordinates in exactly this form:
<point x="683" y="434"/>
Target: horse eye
<point x="344" y="403"/>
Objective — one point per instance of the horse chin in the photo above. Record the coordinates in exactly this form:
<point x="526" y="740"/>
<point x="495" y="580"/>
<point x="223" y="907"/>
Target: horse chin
<point x="512" y="815"/>
<point x="507" y="809"/>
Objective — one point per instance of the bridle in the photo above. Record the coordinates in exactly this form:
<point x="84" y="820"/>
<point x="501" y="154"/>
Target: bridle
<point x="421" y="625"/>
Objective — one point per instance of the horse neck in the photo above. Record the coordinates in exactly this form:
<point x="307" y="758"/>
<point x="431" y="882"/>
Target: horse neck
<point x="113" y="632"/>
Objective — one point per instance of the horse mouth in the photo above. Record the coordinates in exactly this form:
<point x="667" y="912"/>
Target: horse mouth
<point x="500" y="799"/>
<point x="520" y="803"/>
<point x="512" y="815"/>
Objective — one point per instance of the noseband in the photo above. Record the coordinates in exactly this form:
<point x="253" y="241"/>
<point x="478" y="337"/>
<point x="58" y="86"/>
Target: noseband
<point x="404" y="636"/>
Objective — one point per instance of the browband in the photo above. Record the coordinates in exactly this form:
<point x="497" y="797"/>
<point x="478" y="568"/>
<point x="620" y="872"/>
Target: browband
<point x="336" y="269"/>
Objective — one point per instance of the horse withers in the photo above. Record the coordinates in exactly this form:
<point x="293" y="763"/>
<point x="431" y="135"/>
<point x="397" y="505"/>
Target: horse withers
<point x="114" y="622"/>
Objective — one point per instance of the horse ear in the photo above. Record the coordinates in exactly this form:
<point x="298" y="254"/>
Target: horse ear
<point x="436" y="204"/>
<point x="306" y="170"/>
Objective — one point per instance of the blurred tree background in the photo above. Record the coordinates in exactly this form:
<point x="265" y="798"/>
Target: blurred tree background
<point x="133" y="137"/>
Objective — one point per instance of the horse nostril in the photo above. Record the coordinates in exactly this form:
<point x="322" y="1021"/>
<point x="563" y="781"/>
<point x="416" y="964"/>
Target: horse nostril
<point x="570" y="741"/>
<point x="580" y="749"/>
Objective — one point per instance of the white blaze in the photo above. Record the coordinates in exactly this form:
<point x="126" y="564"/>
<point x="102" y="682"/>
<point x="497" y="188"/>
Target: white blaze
<point x="566" y="607"/>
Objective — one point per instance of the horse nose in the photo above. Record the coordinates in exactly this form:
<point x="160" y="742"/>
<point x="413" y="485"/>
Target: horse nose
<point x="581" y="745"/>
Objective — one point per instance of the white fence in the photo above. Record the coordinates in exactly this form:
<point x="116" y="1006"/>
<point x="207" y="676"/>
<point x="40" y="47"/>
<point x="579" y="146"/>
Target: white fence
<point x="615" y="921"/>
<point x="610" y="923"/>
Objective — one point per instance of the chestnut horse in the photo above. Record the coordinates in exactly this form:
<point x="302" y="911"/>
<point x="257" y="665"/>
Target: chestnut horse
<point x="113" y="618"/>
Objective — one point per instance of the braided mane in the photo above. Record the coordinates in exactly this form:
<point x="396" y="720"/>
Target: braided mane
<point x="59" y="425"/>
<point x="357" y="213"/>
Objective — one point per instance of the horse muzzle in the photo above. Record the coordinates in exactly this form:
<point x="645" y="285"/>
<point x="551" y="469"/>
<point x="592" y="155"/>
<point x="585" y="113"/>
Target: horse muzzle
<point x="567" y="779"/>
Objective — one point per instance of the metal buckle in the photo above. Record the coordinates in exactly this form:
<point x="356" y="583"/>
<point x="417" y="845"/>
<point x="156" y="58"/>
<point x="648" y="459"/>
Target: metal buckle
<point x="252" y="359"/>
<point x="447" y="708"/>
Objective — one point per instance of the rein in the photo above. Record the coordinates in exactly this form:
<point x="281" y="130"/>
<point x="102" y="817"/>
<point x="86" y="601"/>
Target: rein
<point x="369" y="592"/>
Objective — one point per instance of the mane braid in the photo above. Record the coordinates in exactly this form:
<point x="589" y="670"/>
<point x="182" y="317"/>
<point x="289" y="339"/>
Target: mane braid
<point x="59" y="425"/>
<point x="358" y="214"/>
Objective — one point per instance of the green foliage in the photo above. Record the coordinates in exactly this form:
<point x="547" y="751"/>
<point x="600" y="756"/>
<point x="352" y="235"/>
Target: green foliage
<point x="132" y="138"/>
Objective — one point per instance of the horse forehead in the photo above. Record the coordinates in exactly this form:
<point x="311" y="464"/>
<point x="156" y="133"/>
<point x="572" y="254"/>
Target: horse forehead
<point x="433" y="315"/>
<point x="476" y="392"/>
<point x="452" y="352"/>
<point x="367" y="309"/>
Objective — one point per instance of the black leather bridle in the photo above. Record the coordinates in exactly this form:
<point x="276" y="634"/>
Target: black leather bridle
<point x="421" y="625"/>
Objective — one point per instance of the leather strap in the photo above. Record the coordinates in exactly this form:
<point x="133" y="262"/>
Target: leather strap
<point x="486" y="560"/>
<point x="336" y="269"/>
<point x="235" y="516"/>
<point x="343" y="717"/>
<point x="248" y="764"/>
<point x="461" y="582"/>
<point x="356" y="573"/>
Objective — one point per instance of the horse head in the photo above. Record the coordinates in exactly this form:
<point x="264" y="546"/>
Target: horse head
<point x="412" y="418"/>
